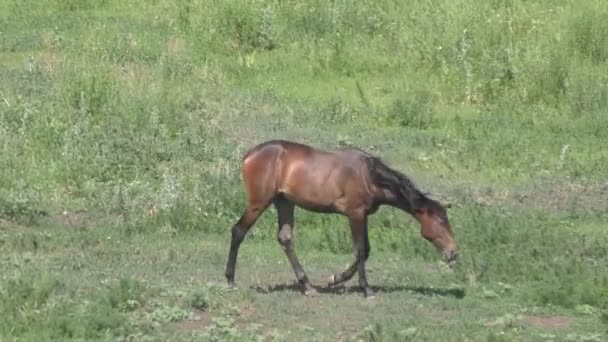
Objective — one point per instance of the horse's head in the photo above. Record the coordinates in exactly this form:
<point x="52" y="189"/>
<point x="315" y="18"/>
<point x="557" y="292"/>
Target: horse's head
<point x="435" y="227"/>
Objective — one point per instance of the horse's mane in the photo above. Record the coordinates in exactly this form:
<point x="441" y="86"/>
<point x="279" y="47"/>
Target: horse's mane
<point x="399" y="184"/>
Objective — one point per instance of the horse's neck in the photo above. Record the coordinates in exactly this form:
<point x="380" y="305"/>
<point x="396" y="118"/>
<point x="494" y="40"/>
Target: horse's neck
<point x="388" y="197"/>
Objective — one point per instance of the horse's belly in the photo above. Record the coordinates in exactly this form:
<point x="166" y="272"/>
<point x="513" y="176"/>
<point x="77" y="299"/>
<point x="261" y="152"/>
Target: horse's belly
<point x="316" y="207"/>
<point x="311" y="203"/>
<point x="315" y="189"/>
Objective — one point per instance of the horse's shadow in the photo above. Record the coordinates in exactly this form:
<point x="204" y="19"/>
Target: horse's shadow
<point x="423" y="290"/>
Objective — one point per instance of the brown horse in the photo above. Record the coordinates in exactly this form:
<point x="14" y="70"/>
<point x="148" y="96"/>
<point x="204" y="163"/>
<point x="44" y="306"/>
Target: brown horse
<point x="349" y="182"/>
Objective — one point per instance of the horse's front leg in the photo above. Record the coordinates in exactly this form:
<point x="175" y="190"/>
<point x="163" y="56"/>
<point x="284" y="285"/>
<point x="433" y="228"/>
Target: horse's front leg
<point x="361" y="247"/>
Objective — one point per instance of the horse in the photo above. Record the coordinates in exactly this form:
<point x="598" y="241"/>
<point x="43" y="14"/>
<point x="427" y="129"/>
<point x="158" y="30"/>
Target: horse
<point x="346" y="181"/>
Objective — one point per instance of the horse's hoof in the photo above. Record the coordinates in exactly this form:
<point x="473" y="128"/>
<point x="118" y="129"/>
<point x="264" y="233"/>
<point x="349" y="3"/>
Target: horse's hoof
<point x="333" y="282"/>
<point x="230" y="285"/>
<point x="310" y="292"/>
<point x="369" y="294"/>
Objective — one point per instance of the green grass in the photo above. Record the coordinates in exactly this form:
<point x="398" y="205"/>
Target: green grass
<point x="122" y="125"/>
<point x="100" y="282"/>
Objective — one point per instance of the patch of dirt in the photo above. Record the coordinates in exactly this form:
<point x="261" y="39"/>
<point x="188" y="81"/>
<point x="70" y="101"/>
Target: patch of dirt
<point x="548" y="322"/>
<point x="77" y="219"/>
<point x="554" y="196"/>
<point x="201" y="321"/>
<point x="6" y="224"/>
<point x="176" y="46"/>
<point x="564" y="196"/>
<point x="440" y="316"/>
<point x="246" y="312"/>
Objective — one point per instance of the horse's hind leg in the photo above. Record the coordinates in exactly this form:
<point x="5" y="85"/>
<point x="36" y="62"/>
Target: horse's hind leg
<point x="259" y="177"/>
<point x="285" y="212"/>
<point x="239" y="231"/>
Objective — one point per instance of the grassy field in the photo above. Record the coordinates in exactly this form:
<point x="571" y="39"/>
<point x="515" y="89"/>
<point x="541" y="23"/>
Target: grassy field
<point x="123" y="123"/>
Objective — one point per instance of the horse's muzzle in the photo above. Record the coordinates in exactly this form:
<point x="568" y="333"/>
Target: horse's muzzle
<point x="451" y="256"/>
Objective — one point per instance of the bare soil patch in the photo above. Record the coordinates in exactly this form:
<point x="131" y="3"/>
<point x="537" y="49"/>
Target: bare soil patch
<point x="592" y="195"/>
<point x="440" y="316"/>
<point x="552" y="196"/>
<point x="548" y="322"/>
<point x="201" y="321"/>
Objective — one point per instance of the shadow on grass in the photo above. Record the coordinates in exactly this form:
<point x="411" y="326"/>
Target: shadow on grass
<point x="423" y="290"/>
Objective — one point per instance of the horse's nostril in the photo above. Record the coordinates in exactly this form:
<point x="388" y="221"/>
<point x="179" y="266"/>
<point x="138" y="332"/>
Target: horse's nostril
<point x="452" y="256"/>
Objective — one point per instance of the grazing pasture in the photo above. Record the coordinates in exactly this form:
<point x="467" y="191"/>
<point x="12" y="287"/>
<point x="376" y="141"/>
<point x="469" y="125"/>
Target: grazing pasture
<point x="123" y="125"/>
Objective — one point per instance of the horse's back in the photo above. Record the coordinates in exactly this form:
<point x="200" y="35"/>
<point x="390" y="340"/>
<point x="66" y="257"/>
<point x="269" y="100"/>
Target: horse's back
<point x="291" y="147"/>
<point x="313" y="178"/>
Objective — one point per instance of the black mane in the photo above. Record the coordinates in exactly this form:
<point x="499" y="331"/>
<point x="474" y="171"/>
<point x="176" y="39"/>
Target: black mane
<point x="405" y="190"/>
